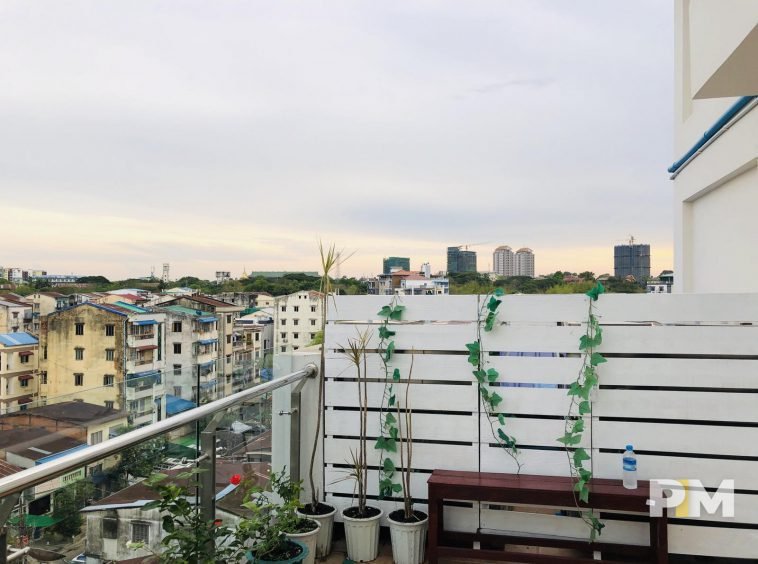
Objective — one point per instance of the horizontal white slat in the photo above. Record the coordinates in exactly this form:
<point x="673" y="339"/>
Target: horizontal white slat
<point x="426" y="456"/>
<point x="536" y="370"/>
<point x="454" y="368"/>
<point x="532" y="432"/>
<point x="684" y="372"/>
<point x="533" y="401"/>
<point x="669" y="437"/>
<point x="442" y="397"/>
<point x="708" y="406"/>
<point x="426" y="426"/>
<point x="419" y="337"/>
<point x="721" y="340"/>
<point x="417" y="308"/>
<point x="539" y="462"/>
<point x="336" y="482"/>
<point x="534" y="338"/>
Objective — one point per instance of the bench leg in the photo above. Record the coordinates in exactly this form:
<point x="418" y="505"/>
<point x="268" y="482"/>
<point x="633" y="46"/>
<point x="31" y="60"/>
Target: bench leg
<point x="659" y="542"/>
<point x="436" y="527"/>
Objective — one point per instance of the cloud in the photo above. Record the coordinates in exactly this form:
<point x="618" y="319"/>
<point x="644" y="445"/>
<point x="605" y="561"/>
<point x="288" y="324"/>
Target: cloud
<point x="495" y="87"/>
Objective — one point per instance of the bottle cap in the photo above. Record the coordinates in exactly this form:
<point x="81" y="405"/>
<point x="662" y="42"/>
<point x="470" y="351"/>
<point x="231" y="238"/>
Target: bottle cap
<point x="629" y="447"/>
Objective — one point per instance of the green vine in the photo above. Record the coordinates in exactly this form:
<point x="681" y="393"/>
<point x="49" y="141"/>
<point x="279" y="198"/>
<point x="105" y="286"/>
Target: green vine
<point x="580" y="393"/>
<point x="477" y="358"/>
<point x="387" y="441"/>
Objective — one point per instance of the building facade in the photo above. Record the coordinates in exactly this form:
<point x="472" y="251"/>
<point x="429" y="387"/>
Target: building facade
<point x="632" y="260"/>
<point x="503" y="261"/>
<point x="15" y="315"/>
<point x="19" y="375"/>
<point x="524" y="263"/>
<point x="402" y="263"/>
<point x="297" y="319"/>
<point x="460" y="260"/>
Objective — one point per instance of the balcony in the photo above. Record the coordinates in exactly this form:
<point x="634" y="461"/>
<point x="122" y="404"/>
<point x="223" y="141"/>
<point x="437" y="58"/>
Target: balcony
<point x="676" y="381"/>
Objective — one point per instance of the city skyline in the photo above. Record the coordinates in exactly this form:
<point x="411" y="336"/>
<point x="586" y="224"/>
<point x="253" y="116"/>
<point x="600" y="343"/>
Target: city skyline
<point x="227" y="143"/>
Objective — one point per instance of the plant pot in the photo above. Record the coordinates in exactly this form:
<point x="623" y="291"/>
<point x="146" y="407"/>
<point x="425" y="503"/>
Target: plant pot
<point x="408" y="539"/>
<point x="326" y="521"/>
<point x="294" y="560"/>
<point x="309" y="539"/>
<point x="362" y="535"/>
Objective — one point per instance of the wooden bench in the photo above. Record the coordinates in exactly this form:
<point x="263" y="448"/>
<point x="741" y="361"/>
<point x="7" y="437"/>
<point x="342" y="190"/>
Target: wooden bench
<point x="549" y="491"/>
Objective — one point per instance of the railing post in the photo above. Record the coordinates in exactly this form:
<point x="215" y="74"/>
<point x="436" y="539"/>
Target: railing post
<point x="207" y="467"/>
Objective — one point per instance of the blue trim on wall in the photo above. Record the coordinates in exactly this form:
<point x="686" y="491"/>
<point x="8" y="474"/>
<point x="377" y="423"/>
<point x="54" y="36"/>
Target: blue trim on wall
<point x="718" y="126"/>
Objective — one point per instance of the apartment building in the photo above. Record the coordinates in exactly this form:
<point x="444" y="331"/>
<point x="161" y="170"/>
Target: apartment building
<point x="15" y="315"/>
<point x="191" y="353"/>
<point x="45" y="303"/>
<point x="524" y="263"/>
<point x="106" y="354"/>
<point x="503" y="261"/>
<point x="226" y="314"/>
<point x="297" y="319"/>
<point x="19" y="376"/>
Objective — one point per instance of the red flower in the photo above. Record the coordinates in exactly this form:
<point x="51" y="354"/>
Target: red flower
<point x="217" y="523"/>
<point x="235" y="480"/>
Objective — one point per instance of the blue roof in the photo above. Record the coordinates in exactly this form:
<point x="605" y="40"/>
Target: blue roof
<point x="146" y="322"/>
<point x="176" y="405"/>
<point x="15" y="339"/>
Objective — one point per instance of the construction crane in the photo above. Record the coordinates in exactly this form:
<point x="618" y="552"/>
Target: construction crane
<point x="465" y="246"/>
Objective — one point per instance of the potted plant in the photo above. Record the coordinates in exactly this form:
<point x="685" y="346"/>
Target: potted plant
<point x="407" y="526"/>
<point x="295" y="526"/>
<point x="315" y="509"/>
<point x="361" y="521"/>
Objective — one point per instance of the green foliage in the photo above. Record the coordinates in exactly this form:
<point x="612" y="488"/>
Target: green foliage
<point x="580" y="394"/>
<point x="66" y="505"/>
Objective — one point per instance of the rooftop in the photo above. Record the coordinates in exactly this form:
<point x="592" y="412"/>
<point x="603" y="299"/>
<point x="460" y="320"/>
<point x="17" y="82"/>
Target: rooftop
<point x="51" y="443"/>
<point x="17" y="339"/>
<point x="75" y="412"/>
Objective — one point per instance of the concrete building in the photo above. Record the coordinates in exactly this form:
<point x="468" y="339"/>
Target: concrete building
<point x="246" y="300"/>
<point x="523" y="264"/>
<point x="402" y="263"/>
<point x="108" y="354"/>
<point x="59" y="279"/>
<point x="19" y="374"/>
<point x="503" y="261"/>
<point x="716" y="174"/>
<point x="223" y="276"/>
<point x="15" y="315"/>
<point x="460" y="260"/>
<point x="408" y="283"/>
<point x="191" y="353"/>
<point x="632" y="260"/>
<point x="45" y="303"/>
<point x="227" y="314"/>
<point x="297" y="319"/>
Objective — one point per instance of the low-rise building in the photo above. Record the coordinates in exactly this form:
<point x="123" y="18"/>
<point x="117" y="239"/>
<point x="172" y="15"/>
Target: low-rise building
<point x="19" y="377"/>
<point x="297" y="319"/>
<point x="15" y="315"/>
<point x="408" y="283"/>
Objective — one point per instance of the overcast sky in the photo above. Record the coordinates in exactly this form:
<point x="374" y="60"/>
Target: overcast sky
<point x="222" y="134"/>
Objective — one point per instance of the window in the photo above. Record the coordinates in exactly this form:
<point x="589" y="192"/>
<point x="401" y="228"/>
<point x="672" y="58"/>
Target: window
<point x="313" y="336"/>
<point x="110" y="528"/>
<point x="78" y="353"/>
<point x="178" y="391"/>
<point x="79" y="379"/>
<point x="108" y="380"/>
<point x="228" y="359"/>
<point x="110" y="330"/>
<point x="96" y="438"/>
<point x="43" y="377"/>
<point x="296" y="308"/>
<point x="228" y="378"/>
<point x="176" y="327"/>
<point x="313" y="309"/>
<point x="108" y="404"/>
<point x="15" y="315"/>
<point x="80" y="328"/>
<point x="284" y="335"/>
<point x="257" y="337"/>
<point x="177" y="369"/>
<point x="44" y="352"/>
<point x="109" y="354"/>
<point x="23" y="358"/>
<point x="295" y="321"/>
<point x="284" y="349"/>
<point x="228" y="339"/>
<point x="284" y="308"/>
<point x="229" y="318"/>
<point x="177" y="348"/>
<point x="23" y="383"/>
<point x="140" y="532"/>
<point x="313" y="322"/>
<point x="295" y="335"/>
<point x="284" y="322"/>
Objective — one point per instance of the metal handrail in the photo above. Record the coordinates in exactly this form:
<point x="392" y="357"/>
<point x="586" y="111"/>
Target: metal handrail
<point x="16" y="483"/>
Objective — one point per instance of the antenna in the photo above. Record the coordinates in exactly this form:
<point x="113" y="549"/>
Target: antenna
<point x="631" y="239"/>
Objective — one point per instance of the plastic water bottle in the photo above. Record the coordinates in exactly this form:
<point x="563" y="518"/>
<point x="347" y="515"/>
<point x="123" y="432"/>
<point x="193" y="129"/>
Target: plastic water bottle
<point x="630" y="468"/>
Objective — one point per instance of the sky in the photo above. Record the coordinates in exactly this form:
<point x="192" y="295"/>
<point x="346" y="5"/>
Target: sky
<point x="231" y="135"/>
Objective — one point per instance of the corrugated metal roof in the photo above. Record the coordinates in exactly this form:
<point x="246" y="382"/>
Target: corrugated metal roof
<point x="16" y="339"/>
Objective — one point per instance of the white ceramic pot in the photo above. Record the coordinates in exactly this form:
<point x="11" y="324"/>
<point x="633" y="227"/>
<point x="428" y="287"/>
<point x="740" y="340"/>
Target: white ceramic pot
<point x="309" y="539"/>
<point x="326" y="522"/>
<point x="408" y="541"/>
<point x="362" y="536"/>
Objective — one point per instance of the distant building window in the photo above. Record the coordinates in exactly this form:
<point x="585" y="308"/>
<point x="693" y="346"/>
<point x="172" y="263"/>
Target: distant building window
<point x="228" y="359"/>
<point x="110" y="330"/>
<point x="284" y="349"/>
<point x="284" y="308"/>
<point x="295" y="335"/>
<point x="176" y="327"/>
<point x="229" y="318"/>
<point x="177" y="348"/>
<point x="313" y="309"/>
<point x="43" y="377"/>
<point x="284" y="322"/>
<point x="79" y="328"/>
<point x="295" y="322"/>
<point x="140" y="532"/>
<point x="108" y="404"/>
<point x="24" y="383"/>
<point x="296" y="308"/>
<point x="313" y="336"/>
<point x="178" y="391"/>
<point x="44" y="352"/>
<point x="23" y="359"/>
<point x="177" y="369"/>
<point x="110" y="528"/>
<point x="110" y="354"/>
<point x="228" y="378"/>
<point x="78" y="353"/>
<point x="79" y="379"/>
<point x="15" y="315"/>
<point x="284" y="335"/>
<point x="228" y="339"/>
<point x="96" y="438"/>
<point x="257" y="337"/>
<point x="313" y="322"/>
<point x="108" y="379"/>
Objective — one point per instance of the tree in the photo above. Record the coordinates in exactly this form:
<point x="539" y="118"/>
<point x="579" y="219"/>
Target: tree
<point x="587" y="275"/>
<point x="66" y="505"/>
